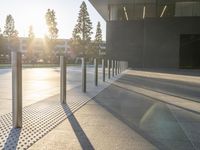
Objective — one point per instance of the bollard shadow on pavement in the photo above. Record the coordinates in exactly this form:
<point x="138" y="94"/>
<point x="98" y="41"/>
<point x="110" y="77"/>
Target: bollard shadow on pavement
<point x="12" y="139"/>
<point x="80" y="134"/>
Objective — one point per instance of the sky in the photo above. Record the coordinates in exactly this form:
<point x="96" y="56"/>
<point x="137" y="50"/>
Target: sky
<point x="32" y="12"/>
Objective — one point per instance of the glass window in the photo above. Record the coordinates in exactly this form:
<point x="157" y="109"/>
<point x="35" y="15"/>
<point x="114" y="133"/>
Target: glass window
<point x="187" y="9"/>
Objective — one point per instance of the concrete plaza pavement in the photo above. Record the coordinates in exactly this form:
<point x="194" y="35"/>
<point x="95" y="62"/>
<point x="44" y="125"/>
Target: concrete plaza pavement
<point x="141" y="110"/>
<point x="121" y="118"/>
<point x="38" y="84"/>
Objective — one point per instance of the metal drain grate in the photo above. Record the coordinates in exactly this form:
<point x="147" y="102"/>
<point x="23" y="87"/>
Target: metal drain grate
<point x="40" y="118"/>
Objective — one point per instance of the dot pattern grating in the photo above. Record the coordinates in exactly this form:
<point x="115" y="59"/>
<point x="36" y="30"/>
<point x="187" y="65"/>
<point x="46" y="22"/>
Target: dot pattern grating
<point x="41" y="117"/>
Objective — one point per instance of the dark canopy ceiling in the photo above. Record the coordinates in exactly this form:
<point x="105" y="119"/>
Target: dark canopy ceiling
<point x="102" y="6"/>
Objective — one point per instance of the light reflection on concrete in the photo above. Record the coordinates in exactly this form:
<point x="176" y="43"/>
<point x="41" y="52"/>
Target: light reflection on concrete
<point x="160" y="124"/>
<point x="38" y="84"/>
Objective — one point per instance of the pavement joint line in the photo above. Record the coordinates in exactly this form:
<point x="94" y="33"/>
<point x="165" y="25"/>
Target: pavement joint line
<point x="132" y="126"/>
<point x="181" y="126"/>
<point x="130" y="88"/>
<point x="42" y="117"/>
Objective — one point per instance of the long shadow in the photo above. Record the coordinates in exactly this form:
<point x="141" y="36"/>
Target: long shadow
<point x="80" y="134"/>
<point x="13" y="138"/>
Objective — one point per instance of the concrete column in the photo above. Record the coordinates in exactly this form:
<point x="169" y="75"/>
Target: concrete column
<point x="108" y="65"/>
<point x="96" y="71"/>
<point x="16" y="89"/>
<point x="83" y="75"/>
<point x="63" y="83"/>
<point x="103" y="69"/>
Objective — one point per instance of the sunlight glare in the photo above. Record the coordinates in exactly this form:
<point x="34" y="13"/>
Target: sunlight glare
<point x="36" y="19"/>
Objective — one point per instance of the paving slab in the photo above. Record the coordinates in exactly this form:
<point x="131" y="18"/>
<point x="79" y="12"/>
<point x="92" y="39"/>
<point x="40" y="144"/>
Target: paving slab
<point x="42" y="117"/>
<point x="181" y="102"/>
<point x="93" y="127"/>
<point x="113" y="115"/>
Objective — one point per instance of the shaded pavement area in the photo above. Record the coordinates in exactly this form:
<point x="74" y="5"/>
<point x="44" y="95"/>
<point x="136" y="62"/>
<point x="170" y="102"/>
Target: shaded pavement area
<point x="163" y="125"/>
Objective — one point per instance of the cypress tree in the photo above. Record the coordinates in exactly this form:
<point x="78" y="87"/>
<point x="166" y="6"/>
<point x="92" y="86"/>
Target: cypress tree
<point x="10" y="31"/>
<point x="31" y="37"/>
<point x="31" y="34"/>
<point x="53" y="34"/>
<point x="98" y="39"/>
<point x="81" y="36"/>
<point x="11" y="34"/>
<point x="51" y="24"/>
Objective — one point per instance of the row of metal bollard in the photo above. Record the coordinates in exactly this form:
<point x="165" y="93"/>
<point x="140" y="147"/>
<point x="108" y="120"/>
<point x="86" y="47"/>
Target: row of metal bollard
<point x="114" y="65"/>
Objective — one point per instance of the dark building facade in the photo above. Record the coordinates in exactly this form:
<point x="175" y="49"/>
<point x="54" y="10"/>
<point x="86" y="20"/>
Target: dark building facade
<point x="153" y="33"/>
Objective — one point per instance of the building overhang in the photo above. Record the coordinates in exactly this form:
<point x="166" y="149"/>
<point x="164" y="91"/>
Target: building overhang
<point x="102" y="6"/>
<point x="140" y="9"/>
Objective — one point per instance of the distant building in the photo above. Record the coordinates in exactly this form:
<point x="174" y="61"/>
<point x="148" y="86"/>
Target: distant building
<point x="39" y="45"/>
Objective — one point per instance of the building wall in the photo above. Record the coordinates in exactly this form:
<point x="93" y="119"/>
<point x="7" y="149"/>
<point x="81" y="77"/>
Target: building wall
<point x="152" y="42"/>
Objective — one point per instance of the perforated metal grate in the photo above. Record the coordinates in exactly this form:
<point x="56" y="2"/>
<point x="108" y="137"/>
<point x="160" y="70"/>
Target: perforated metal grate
<point x="40" y="118"/>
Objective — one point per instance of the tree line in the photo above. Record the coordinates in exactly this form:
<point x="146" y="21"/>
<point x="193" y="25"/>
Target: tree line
<point x="81" y="42"/>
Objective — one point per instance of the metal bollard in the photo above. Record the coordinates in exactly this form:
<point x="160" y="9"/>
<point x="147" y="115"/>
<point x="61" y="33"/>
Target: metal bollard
<point x="123" y="65"/>
<point x="118" y="66"/>
<point x="103" y="69"/>
<point x="16" y="89"/>
<point x="83" y="75"/>
<point x="63" y="80"/>
<point x="115" y="67"/>
<point x="96" y="72"/>
<point x="112" y="68"/>
<point x="108" y="65"/>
